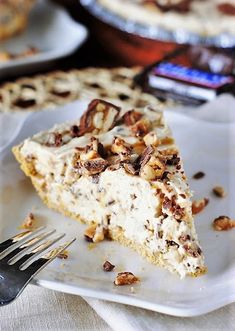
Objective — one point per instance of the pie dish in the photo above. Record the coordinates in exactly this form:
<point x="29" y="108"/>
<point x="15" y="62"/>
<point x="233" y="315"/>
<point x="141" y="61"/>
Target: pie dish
<point x="121" y="173"/>
<point x="188" y="15"/>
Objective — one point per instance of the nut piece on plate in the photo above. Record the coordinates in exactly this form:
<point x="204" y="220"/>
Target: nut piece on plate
<point x="219" y="191"/>
<point x="199" y="175"/>
<point x="107" y="266"/>
<point x="63" y="255"/>
<point x="95" y="233"/>
<point x="125" y="278"/>
<point x="199" y="205"/>
<point x="223" y="223"/>
<point x="100" y="117"/>
<point x="28" y="222"/>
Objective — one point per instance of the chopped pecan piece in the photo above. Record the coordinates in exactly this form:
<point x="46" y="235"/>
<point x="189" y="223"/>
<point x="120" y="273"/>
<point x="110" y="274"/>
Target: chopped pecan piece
<point x="125" y="278"/>
<point x="141" y="128"/>
<point x="94" y="166"/>
<point x="63" y="255"/>
<point x="107" y="266"/>
<point x="95" y="233"/>
<point x="199" y="205"/>
<point x="120" y="147"/>
<point x="199" y="175"/>
<point x="93" y="150"/>
<point x="28" y="222"/>
<point x="131" y="117"/>
<point x="100" y="117"/>
<point x="223" y="223"/>
<point x="171" y="206"/>
<point x="193" y="250"/>
<point x="219" y="191"/>
<point x="183" y="238"/>
<point x="154" y="168"/>
<point x="130" y="168"/>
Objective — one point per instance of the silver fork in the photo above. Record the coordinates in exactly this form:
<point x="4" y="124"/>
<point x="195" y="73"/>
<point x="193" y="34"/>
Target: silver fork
<point x="17" y="264"/>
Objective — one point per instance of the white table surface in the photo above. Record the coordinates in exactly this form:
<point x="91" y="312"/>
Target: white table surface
<point x="40" y="309"/>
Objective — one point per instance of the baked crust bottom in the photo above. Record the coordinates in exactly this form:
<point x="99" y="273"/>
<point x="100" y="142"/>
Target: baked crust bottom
<point x="116" y="234"/>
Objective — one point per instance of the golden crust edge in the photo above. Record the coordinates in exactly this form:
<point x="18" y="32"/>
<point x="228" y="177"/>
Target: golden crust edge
<point x="116" y="234"/>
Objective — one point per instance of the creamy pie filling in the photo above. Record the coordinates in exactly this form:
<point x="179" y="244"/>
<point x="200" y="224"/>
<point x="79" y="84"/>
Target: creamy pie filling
<point x="140" y="188"/>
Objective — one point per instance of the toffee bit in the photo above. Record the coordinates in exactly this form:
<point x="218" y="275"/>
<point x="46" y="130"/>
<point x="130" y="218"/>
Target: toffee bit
<point x="199" y="205"/>
<point x="219" y="191"/>
<point x="125" y="278"/>
<point x="199" y="175"/>
<point x="63" y="255"/>
<point x="28" y="222"/>
<point x="223" y="223"/>
<point x="107" y="266"/>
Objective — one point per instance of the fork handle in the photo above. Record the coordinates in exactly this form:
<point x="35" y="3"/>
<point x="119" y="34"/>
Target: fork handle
<point x="11" y="285"/>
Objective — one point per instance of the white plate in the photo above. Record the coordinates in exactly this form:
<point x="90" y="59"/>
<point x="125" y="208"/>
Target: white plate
<point x="51" y="30"/>
<point x="205" y="146"/>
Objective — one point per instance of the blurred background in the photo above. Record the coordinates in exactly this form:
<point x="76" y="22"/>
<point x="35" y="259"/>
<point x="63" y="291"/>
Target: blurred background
<point x="180" y="51"/>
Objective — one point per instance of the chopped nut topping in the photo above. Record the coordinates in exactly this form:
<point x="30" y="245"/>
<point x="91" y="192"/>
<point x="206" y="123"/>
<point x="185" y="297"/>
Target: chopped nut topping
<point x="125" y="278"/>
<point x="171" y="206"/>
<point x="145" y="156"/>
<point x="63" y="255"/>
<point x="199" y="205"/>
<point x="183" y="238"/>
<point x="130" y="168"/>
<point x="153" y="169"/>
<point x="107" y="266"/>
<point x="131" y="117"/>
<point x="100" y="117"/>
<point x="95" y="166"/>
<point x="141" y="128"/>
<point x="199" y="175"/>
<point x="28" y="222"/>
<point x="121" y="148"/>
<point x="95" y="233"/>
<point x="192" y="250"/>
<point x="219" y="191"/>
<point x="151" y="139"/>
<point x="223" y="223"/>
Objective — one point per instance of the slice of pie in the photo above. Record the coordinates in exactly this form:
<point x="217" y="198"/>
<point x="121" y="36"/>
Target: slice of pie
<point x="121" y="173"/>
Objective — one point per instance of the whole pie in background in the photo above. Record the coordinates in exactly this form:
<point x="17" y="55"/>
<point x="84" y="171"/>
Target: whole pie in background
<point x="203" y="17"/>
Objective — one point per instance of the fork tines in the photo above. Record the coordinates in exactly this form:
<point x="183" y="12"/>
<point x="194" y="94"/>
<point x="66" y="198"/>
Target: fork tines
<point x="22" y="248"/>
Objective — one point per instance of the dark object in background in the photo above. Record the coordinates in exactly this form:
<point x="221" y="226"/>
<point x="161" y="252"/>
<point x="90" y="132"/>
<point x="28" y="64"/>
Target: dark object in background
<point x="212" y="60"/>
<point x="190" y="75"/>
